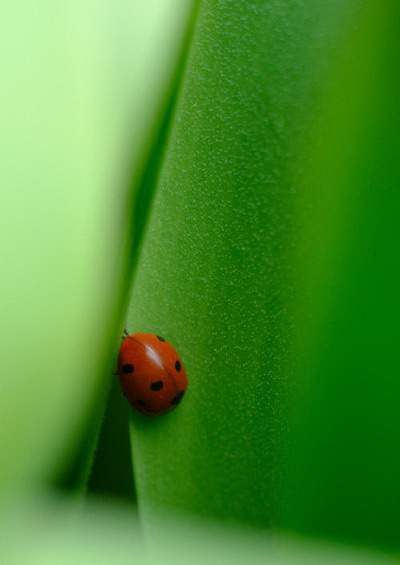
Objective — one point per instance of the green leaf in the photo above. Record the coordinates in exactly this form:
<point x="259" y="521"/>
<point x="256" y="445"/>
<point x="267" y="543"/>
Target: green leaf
<point x="111" y="475"/>
<point x="84" y="84"/>
<point x="53" y="531"/>
<point x="345" y="467"/>
<point x="215" y="272"/>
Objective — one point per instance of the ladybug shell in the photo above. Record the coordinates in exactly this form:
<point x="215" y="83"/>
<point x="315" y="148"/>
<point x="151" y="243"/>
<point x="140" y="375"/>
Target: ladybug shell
<point x="151" y="373"/>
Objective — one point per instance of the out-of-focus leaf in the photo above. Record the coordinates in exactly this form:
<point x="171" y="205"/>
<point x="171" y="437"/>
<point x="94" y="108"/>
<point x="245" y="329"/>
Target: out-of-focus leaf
<point x="83" y="84"/>
<point x="54" y="532"/>
<point x="111" y="475"/>
<point x="345" y="467"/>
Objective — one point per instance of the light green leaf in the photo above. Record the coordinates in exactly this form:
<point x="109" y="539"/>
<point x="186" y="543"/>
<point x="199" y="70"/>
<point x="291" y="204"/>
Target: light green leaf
<point x="48" y="532"/>
<point x="84" y="84"/>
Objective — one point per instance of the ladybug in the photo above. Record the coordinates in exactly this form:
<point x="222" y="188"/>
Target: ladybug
<point x="151" y="373"/>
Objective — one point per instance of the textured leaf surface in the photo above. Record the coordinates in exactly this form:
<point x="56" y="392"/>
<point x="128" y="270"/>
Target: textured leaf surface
<point x="215" y="272"/>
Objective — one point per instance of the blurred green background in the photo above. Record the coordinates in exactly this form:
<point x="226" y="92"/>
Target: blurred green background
<point x="224" y="174"/>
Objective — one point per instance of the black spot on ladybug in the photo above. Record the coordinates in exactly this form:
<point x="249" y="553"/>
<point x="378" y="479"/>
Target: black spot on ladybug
<point x="157" y="385"/>
<point x="177" y="398"/>
<point x="160" y="338"/>
<point x="142" y="403"/>
<point x="178" y="365"/>
<point x="128" y="368"/>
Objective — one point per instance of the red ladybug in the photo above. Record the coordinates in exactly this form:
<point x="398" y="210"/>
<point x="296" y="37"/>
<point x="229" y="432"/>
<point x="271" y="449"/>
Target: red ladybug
<point x="151" y="373"/>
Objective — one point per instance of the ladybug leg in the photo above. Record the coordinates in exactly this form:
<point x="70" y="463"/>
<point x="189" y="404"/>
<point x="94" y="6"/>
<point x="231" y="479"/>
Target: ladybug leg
<point x="126" y="333"/>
